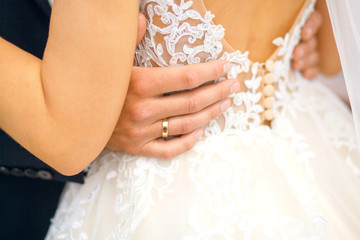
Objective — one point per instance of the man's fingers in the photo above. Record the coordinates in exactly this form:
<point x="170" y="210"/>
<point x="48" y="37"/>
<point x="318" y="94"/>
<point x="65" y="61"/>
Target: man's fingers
<point x="304" y="48"/>
<point x="184" y="124"/>
<point x="195" y="100"/>
<point x="307" y="62"/>
<point x="141" y="28"/>
<point x="168" y="149"/>
<point x="305" y="56"/>
<point x="151" y="110"/>
<point x="311" y="26"/>
<point x="311" y="73"/>
<point x="156" y="81"/>
<point x="186" y="111"/>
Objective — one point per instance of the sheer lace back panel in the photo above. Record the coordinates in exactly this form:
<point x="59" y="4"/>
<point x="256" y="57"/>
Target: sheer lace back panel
<point x="181" y="32"/>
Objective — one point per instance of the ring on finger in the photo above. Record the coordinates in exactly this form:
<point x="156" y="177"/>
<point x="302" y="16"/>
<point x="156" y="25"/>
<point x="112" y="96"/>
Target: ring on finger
<point x="165" y="128"/>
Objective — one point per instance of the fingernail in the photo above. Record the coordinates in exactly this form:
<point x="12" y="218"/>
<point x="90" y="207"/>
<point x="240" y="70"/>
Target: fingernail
<point x="225" y="105"/>
<point x="235" y="88"/>
<point x="227" y="67"/>
<point x="199" y="134"/>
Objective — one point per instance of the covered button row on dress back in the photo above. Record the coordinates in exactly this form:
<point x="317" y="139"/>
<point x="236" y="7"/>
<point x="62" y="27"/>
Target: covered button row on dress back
<point x="269" y="90"/>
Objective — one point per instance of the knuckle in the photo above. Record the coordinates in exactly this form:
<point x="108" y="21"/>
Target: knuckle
<point x="139" y="113"/>
<point x="140" y="86"/>
<point x="217" y="72"/>
<point x="222" y="92"/>
<point x="193" y="104"/>
<point x="186" y="126"/>
<point x="135" y="87"/>
<point x="135" y="132"/>
<point x="191" y="78"/>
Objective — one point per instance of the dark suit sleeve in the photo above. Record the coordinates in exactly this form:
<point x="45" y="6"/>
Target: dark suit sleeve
<point x="25" y="23"/>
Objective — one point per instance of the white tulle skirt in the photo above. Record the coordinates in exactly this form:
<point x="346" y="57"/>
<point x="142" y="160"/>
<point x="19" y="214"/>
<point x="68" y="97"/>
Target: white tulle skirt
<point x="298" y="179"/>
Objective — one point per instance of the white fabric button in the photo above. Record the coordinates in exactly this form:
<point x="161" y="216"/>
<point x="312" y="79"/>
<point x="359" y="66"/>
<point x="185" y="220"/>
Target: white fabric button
<point x="269" y="90"/>
<point x="269" y="102"/>
<point x="270" y="65"/>
<point x="269" y="78"/>
<point x="269" y="115"/>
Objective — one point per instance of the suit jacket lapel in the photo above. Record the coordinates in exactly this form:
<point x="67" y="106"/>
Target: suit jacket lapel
<point x="44" y="6"/>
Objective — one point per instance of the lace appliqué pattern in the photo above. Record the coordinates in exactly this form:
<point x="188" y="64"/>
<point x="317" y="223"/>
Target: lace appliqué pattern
<point x="286" y="83"/>
<point x="177" y="31"/>
<point x="70" y="214"/>
<point x="221" y="175"/>
<point x="140" y="182"/>
<point x="177" y="42"/>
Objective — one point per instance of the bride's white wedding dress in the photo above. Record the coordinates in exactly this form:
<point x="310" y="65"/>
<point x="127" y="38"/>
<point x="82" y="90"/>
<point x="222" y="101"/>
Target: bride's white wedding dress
<point x="298" y="179"/>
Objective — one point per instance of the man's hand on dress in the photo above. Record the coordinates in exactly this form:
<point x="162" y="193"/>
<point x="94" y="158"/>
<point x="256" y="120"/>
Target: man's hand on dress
<point x="139" y="128"/>
<point x="306" y="57"/>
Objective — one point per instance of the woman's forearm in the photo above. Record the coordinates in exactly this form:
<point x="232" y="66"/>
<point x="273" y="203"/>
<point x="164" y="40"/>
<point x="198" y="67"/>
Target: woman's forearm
<point x="63" y="109"/>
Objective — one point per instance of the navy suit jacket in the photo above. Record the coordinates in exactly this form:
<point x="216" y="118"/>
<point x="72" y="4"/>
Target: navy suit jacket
<point x="25" y="23"/>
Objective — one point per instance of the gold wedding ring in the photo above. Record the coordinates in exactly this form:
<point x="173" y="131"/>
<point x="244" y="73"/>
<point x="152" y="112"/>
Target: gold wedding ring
<point x="165" y="128"/>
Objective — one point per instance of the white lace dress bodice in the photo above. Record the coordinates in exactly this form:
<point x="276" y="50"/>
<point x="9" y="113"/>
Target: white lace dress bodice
<point x="174" y="40"/>
<point x="285" y="170"/>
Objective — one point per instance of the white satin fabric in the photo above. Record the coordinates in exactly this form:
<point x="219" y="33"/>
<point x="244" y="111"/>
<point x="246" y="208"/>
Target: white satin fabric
<point x="296" y="180"/>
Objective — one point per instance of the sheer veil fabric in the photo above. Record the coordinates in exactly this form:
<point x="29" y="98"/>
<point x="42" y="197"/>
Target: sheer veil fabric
<point x="345" y="19"/>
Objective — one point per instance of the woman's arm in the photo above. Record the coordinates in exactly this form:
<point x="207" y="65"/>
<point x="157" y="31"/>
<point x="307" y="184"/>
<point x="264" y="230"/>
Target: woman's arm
<point x="329" y="57"/>
<point x="63" y="109"/>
